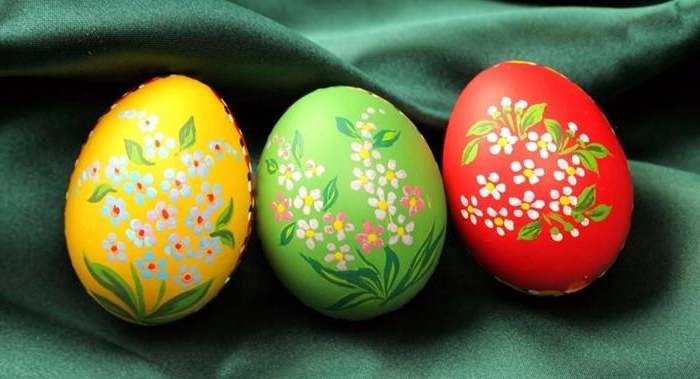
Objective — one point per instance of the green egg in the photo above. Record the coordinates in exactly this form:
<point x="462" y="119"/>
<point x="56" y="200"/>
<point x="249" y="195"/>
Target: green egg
<point x="350" y="204"/>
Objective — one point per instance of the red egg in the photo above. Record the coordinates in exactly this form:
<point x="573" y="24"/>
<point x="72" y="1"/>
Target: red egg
<point x="537" y="184"/>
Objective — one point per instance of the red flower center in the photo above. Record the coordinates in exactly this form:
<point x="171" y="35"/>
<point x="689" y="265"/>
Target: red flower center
<point x="209" y="251"/>
<point x="200" y="220"/>
<point x="139" y="186"/>
<point x="151" y="266"/>
<point x="156" y="143"/>
<point x="178" y="246"/>
<point x="187" y="277"/>
<point x="115" y="210"/>
<point x="164" y="213"/>
<point x="114" y="249"/>
<point x="210" y="197"/>
<point x="141" y="233"/>
<point x="195" y="163"/>
<point x="217" y="147"/>
<point x="178" y="184"/>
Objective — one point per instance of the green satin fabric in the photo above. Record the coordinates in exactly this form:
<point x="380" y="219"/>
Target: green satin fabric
<point x="63" y="64"/>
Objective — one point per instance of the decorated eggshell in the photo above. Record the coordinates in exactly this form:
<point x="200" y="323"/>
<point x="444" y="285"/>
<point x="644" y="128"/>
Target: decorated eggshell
<point x="159" y="205"/>
<point x="537" y="183"/>
<point x="352" y="214"/>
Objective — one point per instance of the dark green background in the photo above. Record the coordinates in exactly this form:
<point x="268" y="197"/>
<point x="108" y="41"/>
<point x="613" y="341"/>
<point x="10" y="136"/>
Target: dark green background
<point x="63" y="64"/>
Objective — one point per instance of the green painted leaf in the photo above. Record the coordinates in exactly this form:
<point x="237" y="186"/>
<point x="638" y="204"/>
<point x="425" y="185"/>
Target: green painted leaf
<point x="352" y="300"/>
<point x="470" y="151"/>
<point x="599" y="213"/>
<point x="161" y="293"/>
<point x="530" y="231"/>
<point x="599" y="151"/>
<point x="391" y="268"/>
<point x="112" y="282"/>
<point x="588" y="159"/>
<point x="585" y="199"/>
<point x="272" y="166"/>
<point x="330" y="194"/>
<point x="554" y="129"/>
<point x="385" y="138"/>
<point x="135" y="153"/>
<point x="187" y="134"/>
<point x="225" y="216"/>
<point x="112" y="308"/>
<point x="298" y="147"/>
<point x="324" y="273"/>
<point x="287" y="233"/>
<point x="100" y="192"/>
<point x="532" y="116"/>
<point x="139" y="292"/>
<point x="567" y="225"/>
<point x="346" y="127"/>
<point x="481" y="128"/>
<point x="181" y="302"/>
<point x="225" y="236"/>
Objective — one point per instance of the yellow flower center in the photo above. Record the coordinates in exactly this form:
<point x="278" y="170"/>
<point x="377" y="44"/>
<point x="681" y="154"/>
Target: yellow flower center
<point x="400" y="231"/>
<point x="280" y="208"/>
<point x="366" y="127"/>
<point x="498" y="221"/>
<point x="564" y="200"/>
<point x="364" y="179"/>
<point x="309" y="234"/>
<point x="288" y="174"/>
<point x="338" y="256"/>
<point x="338" y="225"/>
<point x="390" y="175"/>
<point x="528" y="172"/>
<point x="542" y="144"/>
<point x="490" y="186"/>
<point x="308" y="200"/>
<point x="364" y="153"/>
<point x="372" y="237"/>
<point x="502" y="142"/>
<point x="383" y="205"/>
<point x="470" y="209"/>
<point x="412" y="202"/>
<point x="525" y="206"/>
<point x="570" y="171"/>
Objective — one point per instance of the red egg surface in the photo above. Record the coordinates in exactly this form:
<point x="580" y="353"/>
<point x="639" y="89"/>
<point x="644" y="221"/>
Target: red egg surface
<point x="537" y="183"/>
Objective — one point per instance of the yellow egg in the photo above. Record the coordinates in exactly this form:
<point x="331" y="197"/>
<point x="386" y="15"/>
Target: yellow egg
<point x="158" y="208"/>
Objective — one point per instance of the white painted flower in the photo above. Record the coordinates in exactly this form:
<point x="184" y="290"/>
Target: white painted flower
<point x="527" y="205"/>
<point x="520" y="105"/>
<point x="148" y="124"/>
<point x="526" y="171"/>
<point x="288" y="175"/>
<point x="93" y="172"/>
<point x="371" y="110"/>
<point x="365" y="128"/>
<point x="583" y="139"/>
<point x="470" y="211"/>
<point x="157" y="144"/>
<point x="573" y="128"/>
<point x="401" y="231"/>
<point x="556" y="235"/>
<point x="499" y="220"/>
<point x="364" y="152"/>
<point x="313" y="169"/>
<point x="306" y="200"/>
<point x="339" y="254"/>
<point x="569" y="171"/>
<point x="364" y="179"/>
<point x="285" y="150"/>
<point x="564" y="200"/>
<point x="492" y="111"/>
<point x="491" y="186"/>
<point x="585" y="221"/>
<point x="307" y="231"/>
<point x="383" y="204"/>
<point x="116" y="169"/>
<point x="389" y="174"/>
<point x="574" y="232"/>
<point x="544" y="143"/>
<point x="505" y="102"/>
<point x="501" y="141"/>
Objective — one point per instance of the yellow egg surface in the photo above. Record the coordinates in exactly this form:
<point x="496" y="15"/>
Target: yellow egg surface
<point x="158" y="208"/>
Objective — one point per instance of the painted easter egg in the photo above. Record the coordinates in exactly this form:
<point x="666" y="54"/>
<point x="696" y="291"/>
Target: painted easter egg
<point x="158" y="208"/>
<point x="537" y="184"/>
<point x="351" y="205"/>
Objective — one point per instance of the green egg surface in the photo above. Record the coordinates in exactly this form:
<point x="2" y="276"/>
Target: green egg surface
<point x="351" y="208"/>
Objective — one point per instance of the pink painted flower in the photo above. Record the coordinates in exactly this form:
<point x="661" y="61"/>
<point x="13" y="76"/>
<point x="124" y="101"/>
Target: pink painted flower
<point x="281" y="208"/>
<point x="412" y="200"/>
<point x="339" y="255"/>
<point x="370" y="237"/>
<point x="337" y="225"/>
